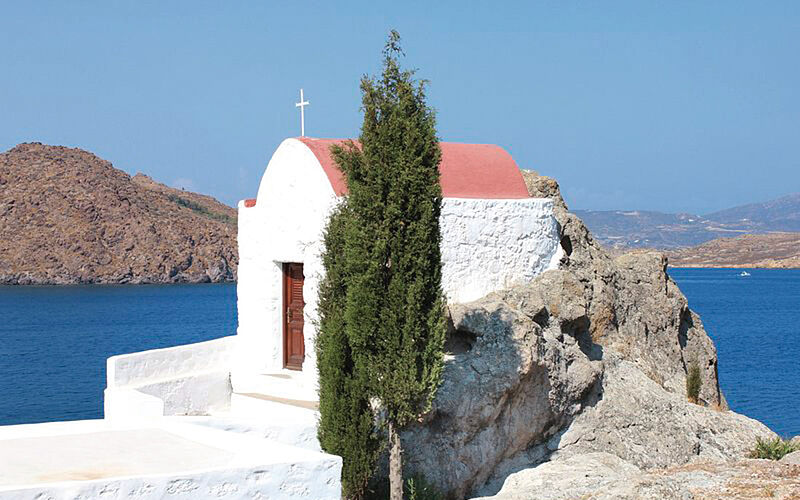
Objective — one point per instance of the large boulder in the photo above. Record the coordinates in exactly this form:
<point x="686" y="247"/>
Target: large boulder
<point x="508" y="382"/>
<point x="792" y="458"/>
<point x="585" y="365"/>
<point x="604" y="476"/>
<point x="639" y="421"/>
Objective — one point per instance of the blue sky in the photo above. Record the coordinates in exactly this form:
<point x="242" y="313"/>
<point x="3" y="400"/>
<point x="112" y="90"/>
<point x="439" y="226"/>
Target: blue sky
<point x="672" y="106"/>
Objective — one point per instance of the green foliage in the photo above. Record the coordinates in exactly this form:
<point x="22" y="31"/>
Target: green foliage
<point x="381" y="331"/>
<point x="773" y="449"/>
<point x="418" y="488"/>
<point x="200" y="209"/>
<point x="346" y="426"/>
<point x="693" y="382"/>
<point x="394" y="306"/>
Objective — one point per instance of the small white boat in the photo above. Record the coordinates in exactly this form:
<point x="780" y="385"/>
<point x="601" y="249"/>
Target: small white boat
<point x="744" y="273"/>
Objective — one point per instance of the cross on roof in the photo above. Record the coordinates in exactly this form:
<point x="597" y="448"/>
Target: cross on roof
<point x="302" y="104"/>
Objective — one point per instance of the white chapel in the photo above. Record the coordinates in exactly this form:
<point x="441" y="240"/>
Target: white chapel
<point x="493" y="235"/>
<point x="251" y="398"/>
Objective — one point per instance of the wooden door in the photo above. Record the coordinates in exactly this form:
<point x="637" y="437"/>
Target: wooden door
<point x="293" y="343"/>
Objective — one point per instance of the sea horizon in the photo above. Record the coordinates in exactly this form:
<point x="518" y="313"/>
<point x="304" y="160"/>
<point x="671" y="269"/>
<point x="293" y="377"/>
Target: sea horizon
<point x="57" y="338"/>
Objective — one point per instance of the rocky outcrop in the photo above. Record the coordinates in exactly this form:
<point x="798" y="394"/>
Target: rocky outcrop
<point x="792" y="458"/>
<point x="604" y="476"/>
<point x="582" y="372"/>
<point x="541" y="186"/>
<point x="67" y="216"/>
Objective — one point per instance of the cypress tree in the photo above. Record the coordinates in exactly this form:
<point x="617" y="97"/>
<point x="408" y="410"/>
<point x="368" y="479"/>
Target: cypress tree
<point x="346" y="426"/>
<point x="381" y="308"/>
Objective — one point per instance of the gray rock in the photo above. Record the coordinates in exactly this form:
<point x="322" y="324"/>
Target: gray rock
<point x="526" y="381"/>
<point x="511" y="383"/>
<point x="574" y="477"/>
<point x="603" y="476"/>
<point x="792" y="458"/>
<point x="577" y="378"/>
<point x="540" y="186"/>
<point x="640" y="422"/>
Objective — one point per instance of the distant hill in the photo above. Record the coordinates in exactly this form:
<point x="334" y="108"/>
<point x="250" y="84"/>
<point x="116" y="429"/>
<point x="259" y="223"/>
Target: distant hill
<point x="67" y="216"/>
<point x="774" y="250"/>
<point x="643" y="229"/>
<point x="782" y="214"/>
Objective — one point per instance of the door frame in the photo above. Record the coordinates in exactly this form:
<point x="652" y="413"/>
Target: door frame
<point x="285" y="277"/>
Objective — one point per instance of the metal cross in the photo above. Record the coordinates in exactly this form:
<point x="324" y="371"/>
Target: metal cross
<point x="302" y="104"/>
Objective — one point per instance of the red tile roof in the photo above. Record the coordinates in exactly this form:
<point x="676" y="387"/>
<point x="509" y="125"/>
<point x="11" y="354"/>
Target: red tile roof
<point x="467" y="170"/>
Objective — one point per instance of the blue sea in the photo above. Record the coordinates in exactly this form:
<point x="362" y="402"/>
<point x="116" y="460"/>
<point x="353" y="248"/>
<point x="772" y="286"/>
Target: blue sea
<point x="54" y="340"/>
<point x="755" y="324"/>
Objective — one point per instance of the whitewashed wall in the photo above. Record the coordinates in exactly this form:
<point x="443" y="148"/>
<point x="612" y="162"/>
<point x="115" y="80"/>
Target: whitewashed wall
<point x="487" y="245"/>
<point x="286" y="225"/>
<point x="191" y="379"/>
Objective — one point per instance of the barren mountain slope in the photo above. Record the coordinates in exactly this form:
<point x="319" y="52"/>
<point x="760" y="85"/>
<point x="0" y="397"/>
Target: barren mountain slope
<point x="67" y="216"/>
<point x="627" y="229"/>
<point x="775" y="250"/>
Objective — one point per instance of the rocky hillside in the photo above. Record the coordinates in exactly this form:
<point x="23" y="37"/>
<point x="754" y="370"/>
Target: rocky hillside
<point x="647" y="229"/>
<point x="67" y="216"/>
<point x="774" y="250"/>
<point x="780" y="214"/>
<point x="574" y="386"/>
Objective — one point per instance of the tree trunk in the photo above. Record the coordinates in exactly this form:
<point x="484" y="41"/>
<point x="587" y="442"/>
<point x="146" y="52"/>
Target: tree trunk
<point x="395" y="465"/>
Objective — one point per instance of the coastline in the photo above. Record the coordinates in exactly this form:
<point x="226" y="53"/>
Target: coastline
<point x="734" y="266"/>
<point x="110" y="284"/>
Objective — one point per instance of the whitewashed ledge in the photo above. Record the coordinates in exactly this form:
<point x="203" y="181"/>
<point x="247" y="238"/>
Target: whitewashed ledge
<point x="171" y="431"/>
<point x="157" y="458"/>
<point x="192" y="379"/>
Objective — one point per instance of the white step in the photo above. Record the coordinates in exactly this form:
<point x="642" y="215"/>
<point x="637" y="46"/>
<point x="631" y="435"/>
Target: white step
<point x="285" y="421"/>
<point x="267" y="405"/>
<point x="285" y="384"/>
